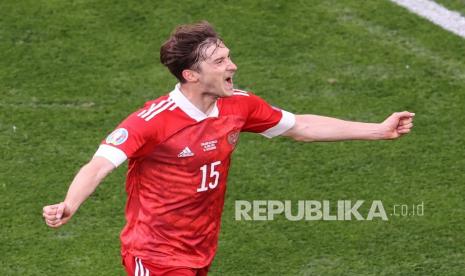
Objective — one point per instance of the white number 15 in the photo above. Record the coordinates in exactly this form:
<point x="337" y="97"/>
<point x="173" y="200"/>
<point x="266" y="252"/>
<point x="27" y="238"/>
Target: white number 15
<point x="213" y="174"/>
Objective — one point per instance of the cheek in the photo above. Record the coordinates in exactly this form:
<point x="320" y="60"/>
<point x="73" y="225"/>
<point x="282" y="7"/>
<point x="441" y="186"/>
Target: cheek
<point x="212" y="77"/>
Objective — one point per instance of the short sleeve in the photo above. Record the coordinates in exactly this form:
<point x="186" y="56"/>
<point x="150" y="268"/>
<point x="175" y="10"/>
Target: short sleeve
<point x="265" y="119"/>
<point x="128" y="140"/>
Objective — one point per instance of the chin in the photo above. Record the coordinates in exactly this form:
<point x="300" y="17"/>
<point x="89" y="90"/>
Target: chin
<point x="228" y="92"/>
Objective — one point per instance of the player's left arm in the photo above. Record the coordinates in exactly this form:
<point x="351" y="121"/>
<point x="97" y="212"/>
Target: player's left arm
<point x="313" y="128"/>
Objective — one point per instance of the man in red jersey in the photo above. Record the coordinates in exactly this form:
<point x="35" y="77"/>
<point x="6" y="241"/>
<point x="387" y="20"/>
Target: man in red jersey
<point x="179" y="147"/>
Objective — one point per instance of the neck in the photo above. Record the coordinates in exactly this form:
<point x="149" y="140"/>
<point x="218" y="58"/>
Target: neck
<point x="203" y="101"/>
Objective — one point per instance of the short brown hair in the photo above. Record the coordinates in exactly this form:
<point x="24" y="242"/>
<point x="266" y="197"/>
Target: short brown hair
<point x="186" y="47"/>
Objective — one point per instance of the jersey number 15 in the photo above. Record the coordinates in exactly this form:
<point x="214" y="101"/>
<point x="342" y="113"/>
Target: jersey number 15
<point x="214" y="175"/>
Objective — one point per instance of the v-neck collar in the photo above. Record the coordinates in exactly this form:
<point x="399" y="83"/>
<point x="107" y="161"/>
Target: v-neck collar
<point x="189" y="108"/>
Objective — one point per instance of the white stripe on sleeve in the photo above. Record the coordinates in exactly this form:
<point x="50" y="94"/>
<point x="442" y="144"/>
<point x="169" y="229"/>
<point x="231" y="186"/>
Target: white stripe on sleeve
<point x="136" y="273"/>
<point x="112" y="154"/>
<point x="286" y="123"/>
<point x="143" y="270"/>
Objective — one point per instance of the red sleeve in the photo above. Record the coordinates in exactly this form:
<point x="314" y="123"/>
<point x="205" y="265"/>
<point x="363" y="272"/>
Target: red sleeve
<point x="263" y="118"/>
<point x="132" y="138"/>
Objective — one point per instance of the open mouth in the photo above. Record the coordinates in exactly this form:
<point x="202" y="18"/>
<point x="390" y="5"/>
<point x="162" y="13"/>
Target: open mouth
<point x="229" y="81"/>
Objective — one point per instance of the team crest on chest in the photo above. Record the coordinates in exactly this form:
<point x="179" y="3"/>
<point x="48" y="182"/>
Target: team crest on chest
<point x="233" y="137"/>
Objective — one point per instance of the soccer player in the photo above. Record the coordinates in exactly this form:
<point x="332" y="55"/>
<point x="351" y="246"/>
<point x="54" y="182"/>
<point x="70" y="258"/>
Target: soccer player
<point x="178" y="149"/>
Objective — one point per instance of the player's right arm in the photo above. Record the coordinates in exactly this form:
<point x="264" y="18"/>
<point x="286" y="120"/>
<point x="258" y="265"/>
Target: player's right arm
<point x="84" y="184"/>
<point x="127" y="141"/>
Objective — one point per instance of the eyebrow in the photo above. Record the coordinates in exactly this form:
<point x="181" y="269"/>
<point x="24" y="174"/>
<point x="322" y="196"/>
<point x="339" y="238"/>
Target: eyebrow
<point x="221" y="58"/>
<point x="218" y="59"/>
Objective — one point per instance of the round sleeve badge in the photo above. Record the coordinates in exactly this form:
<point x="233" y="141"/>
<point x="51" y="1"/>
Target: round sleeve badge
<point x="117" y="137"/>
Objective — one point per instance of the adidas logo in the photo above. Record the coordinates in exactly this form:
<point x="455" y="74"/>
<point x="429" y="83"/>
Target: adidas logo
<point x="186" y="152"/>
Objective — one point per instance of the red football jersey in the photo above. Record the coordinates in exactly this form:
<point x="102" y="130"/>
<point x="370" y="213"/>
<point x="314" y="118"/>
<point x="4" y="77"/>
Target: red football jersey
<point x="178" y="165"/>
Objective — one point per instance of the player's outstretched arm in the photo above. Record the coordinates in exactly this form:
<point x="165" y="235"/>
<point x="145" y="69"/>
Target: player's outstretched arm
<point x="83" y="185"/>
<point x="312" y="128"/>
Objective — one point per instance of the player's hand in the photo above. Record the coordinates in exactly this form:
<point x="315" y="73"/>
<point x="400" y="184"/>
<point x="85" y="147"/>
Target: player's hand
<point x="398" y="124"/>
<point x="56" y="215"/>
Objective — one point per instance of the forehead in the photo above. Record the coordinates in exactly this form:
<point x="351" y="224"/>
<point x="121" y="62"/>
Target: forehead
<point x="215" y="51"/>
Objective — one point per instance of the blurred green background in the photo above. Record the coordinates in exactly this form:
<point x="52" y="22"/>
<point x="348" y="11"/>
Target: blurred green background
<point x="70" y="71"/>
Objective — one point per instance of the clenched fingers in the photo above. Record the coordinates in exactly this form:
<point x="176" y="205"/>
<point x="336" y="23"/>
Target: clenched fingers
<point x="52" y="216"/>
<point x="54" y="223"/>
<point x="50" y="210"/>
<point x="49" y="216"/>
<point x="404" y="131"/>
<point x="406" y="126"/>
<point x="405" y="121"/>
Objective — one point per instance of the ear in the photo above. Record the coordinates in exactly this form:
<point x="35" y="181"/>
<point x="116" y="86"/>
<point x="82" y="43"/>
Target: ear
<point x="190" y="75"/>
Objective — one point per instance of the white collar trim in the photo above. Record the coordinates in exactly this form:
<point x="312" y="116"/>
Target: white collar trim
<point x="189" y="108"/>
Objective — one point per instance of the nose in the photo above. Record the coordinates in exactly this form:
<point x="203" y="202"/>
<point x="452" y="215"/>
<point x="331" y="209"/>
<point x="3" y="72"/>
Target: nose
<point x="232" y="66"/>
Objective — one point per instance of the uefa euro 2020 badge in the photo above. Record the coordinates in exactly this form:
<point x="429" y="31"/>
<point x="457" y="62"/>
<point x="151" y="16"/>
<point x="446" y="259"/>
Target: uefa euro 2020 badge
<point x="117" y="137"/>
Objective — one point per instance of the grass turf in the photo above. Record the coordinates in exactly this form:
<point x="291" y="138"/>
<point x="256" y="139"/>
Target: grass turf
<point x="70" y="71"/>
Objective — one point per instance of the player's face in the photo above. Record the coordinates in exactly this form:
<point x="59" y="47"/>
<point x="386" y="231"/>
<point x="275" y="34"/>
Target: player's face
<point x="216" y="72"/>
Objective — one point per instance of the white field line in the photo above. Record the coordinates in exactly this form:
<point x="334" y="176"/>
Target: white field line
<point x="447" y="19"/>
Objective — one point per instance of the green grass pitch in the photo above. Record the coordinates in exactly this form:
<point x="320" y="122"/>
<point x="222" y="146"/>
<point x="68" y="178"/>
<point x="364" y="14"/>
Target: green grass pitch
<point x="71" y="70"/>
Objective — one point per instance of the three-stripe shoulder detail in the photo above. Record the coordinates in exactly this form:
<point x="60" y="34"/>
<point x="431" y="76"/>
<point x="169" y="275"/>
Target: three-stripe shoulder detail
<point x="157" y="108"/>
